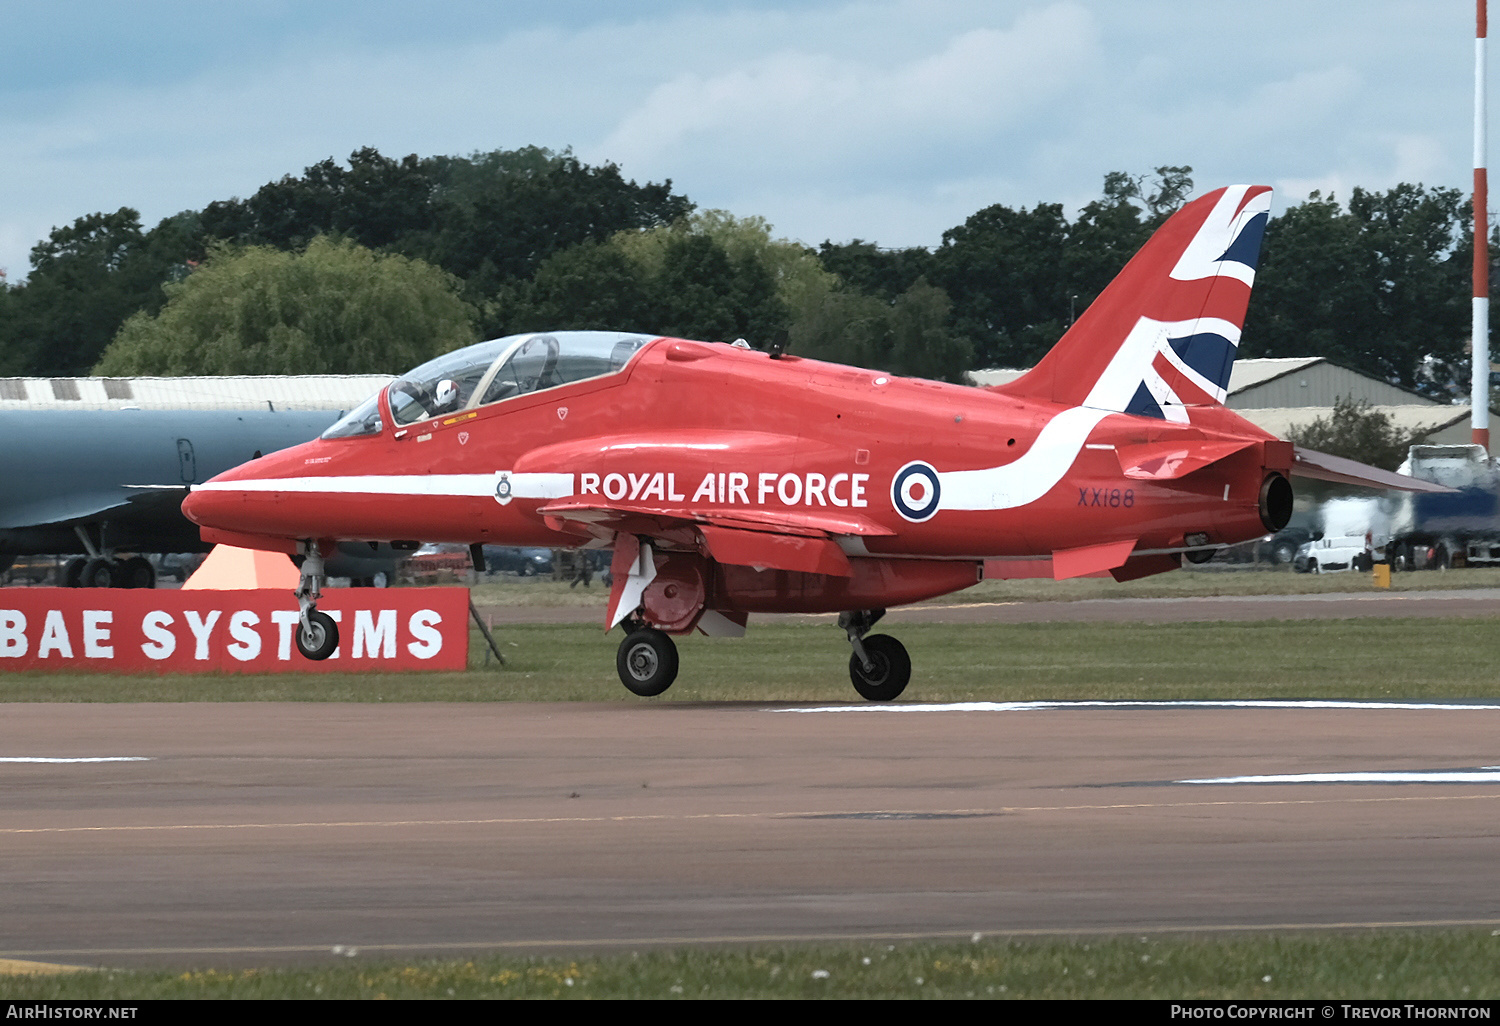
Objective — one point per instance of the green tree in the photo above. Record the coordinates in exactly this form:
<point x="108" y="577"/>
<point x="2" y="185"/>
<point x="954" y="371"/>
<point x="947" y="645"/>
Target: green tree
<point x="1377" y="287"/>
<point x="337" y="308"/>
<point x="85" y="278"/>
<point x="1018" y="278"/>
<point x="1356" y="432"/>
<point x="490" y="218"/>
<point x="794" y="270"/>
<point x="674" y="283"/>
<point x="1003" y="269"/>
<point x="908" y="335"/>
<point x="1159" y="197"/>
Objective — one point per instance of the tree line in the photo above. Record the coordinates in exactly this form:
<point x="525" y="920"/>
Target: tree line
<point x="376" y="263"/>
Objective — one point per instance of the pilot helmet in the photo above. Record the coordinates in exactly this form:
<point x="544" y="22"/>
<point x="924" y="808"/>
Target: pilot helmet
<point x="446" y="394"/>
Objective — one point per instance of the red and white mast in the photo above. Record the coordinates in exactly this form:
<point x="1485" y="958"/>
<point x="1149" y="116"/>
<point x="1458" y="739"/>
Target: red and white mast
<point x="1479" y="395"/>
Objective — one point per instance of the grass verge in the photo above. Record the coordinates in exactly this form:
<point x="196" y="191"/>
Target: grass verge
<point x="1190" y="582"/>
<point x="1454" y="965"/>
<point x="791" y="662"/>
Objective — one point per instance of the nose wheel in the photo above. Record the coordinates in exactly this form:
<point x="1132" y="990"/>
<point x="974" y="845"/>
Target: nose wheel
<point x="647" y="662"/>
<point x="317" y="634"/>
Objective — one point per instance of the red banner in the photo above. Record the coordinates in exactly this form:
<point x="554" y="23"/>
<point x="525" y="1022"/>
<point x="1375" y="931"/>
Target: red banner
<point x="124" y="631"/>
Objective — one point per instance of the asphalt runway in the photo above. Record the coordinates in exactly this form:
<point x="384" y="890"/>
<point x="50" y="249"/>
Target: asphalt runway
<point x="262" y="834"/>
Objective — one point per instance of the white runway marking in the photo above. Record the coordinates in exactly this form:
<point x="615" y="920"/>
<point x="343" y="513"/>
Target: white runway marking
<point x="97" y="758"/>
<point x="1217" y="704"/>
<point x="1482" y="775"/>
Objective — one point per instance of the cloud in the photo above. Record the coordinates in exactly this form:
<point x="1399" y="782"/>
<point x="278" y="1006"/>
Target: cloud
<point x="889" y="120"/>
<point x="797" y="112"/>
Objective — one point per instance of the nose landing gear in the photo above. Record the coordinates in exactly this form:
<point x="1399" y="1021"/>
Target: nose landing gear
<point x="317" y="634"/>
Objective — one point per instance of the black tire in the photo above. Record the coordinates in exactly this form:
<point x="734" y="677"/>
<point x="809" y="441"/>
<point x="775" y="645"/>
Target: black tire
<point x="98" y="573"/>
<point x="136" y="572"/>
<point x="72" y="573"/>
<point x="1283" y="554"/>
<point x="647" y="662"/>
<point x="890" y="674"/>
<point x="319" y="638"/>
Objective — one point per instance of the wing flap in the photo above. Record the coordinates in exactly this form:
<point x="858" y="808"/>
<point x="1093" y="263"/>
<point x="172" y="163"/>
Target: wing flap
<point x="1090" y="559"/>
<point x="811" y="524"/>
<point x="776" y="551"/>
<point x="799" y="541"/>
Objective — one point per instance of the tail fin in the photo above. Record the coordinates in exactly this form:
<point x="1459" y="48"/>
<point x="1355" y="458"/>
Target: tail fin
<point x="1163" y="336"/>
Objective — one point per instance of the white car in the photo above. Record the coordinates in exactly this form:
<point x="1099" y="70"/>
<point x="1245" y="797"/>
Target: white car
<point x="1327" y="555"/>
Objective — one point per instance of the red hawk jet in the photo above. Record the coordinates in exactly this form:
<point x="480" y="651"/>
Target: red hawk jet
<point x="730" y="481"/>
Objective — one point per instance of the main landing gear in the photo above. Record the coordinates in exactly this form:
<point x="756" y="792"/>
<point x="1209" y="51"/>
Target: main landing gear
<point x="101" y="569"/>
<point x="317" y="634"/>
<point x="647" y="660"/>
<point x="879" y="668"/>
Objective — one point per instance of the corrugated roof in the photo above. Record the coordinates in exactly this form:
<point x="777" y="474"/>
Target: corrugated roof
<point x="1245" y="373"/>
<point x="274" y="391"/>
<point x="1411" y="419"/>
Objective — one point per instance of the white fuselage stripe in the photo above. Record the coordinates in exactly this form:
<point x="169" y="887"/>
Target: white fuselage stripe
<point x="522" y="486"/>
<point x="1031" y="476"/>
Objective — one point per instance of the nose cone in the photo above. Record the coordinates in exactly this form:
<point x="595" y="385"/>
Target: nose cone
<point x="246" y="498"/>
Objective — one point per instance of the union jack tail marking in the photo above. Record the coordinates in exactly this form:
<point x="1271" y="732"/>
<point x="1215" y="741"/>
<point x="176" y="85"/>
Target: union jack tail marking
<point x="1163" y="336"/>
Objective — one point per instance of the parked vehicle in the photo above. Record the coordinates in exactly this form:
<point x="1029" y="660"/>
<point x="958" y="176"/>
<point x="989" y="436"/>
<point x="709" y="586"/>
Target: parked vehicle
<point x="1280" y="549"/>
<point x="1326" y="555"/>
<point x="510" y="559"/>
<point x="1434" y="531"/>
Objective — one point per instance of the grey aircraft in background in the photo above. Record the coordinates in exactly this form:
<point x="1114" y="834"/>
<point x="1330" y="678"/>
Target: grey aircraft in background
<point x="108" y="485"/>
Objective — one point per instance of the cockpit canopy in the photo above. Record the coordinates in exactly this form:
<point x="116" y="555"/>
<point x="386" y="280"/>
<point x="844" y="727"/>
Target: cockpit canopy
<point x="491" y="372"/>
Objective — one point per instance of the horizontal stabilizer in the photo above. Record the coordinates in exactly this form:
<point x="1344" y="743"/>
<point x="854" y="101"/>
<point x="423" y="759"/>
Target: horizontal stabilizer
<point x="1323" y="467"/>
<point x="1168" y="461"/>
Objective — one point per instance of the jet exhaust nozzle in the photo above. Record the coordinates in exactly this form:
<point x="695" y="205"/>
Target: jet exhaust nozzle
<point x="1275" y="502"/>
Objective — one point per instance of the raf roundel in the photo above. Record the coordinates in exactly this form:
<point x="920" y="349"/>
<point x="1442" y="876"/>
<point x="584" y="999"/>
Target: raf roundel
<point x="915" y="491"/>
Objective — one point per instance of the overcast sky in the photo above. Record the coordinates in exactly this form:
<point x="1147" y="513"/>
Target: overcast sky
<point x="885" y="120"/>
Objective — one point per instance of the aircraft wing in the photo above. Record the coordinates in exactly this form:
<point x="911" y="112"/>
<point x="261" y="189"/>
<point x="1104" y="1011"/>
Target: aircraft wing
<point x="84" y="507"/>
<point x="1323" y="467"/>
<point x="801" y="541"/>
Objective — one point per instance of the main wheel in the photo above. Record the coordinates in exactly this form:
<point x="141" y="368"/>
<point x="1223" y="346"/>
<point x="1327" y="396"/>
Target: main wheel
<point x="647" y="662"/>
<point x="72" y="573"/>
<point x="136" y="572"/>
<point x="319" y="638"/>
<point x="890" y="673"/>
<point x="98" y="573"/>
